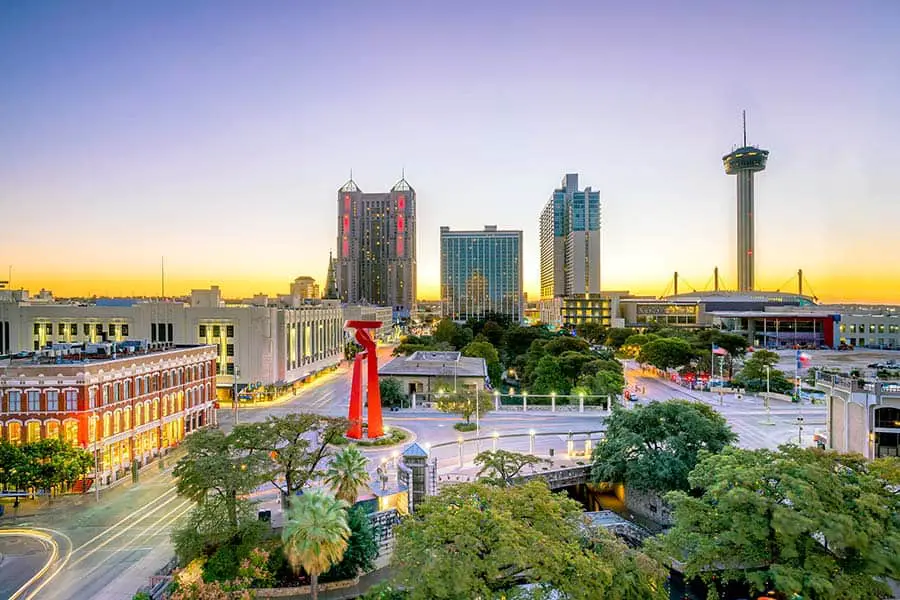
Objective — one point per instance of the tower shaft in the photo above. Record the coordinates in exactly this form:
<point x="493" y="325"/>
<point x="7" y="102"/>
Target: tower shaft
<point x="745" y="231"/>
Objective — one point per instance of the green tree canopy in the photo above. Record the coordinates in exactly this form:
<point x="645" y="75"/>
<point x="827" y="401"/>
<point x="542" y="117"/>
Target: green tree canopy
<point x="464" y="403"/>
<point x="362" y="549"/>
<point x="548" y="377"/>
<point x="501" y="467"/>
<point x="518" y="340"/>
<point x="615" y="337"/>
<point x="753" y="375"/>
<point x="486" y="350"/>
<point x="392" y="393"/>
<point x="445" y="331"/>
<point x="347" y="474"/>
<point x="807" y="522"/>
<point x="593" y="332"/>
<point x="655" y="446"/>
<point x="666" y="353"/>
<point x="477" y="541"/>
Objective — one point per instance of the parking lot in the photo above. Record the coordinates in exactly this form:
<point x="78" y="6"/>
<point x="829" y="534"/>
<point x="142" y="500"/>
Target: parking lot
<point x="844" y="361"/>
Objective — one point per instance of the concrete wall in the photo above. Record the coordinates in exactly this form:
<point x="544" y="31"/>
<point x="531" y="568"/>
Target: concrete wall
<point x="649" y="505"/>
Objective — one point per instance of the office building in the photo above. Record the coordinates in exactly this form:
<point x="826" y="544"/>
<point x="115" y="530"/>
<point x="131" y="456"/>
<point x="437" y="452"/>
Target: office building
<point x="376" y="256"/>
<point x="481" y="274"/>
<point x="124" y="401"/>
<point x="744" y="162"/>
<point x="256" y="342"/>
<point x="305" y="288"/>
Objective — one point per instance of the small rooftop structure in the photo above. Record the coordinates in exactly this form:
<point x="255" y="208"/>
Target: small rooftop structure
<point x="435" y="364"/>
<point x="84" y="354"/>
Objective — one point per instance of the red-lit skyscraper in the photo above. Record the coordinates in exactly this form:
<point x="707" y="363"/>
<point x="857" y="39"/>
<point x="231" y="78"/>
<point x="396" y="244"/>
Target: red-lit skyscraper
<point x="376" y="247"/>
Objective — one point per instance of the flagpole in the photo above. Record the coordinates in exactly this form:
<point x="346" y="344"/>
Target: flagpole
<point x="799" y="400"/>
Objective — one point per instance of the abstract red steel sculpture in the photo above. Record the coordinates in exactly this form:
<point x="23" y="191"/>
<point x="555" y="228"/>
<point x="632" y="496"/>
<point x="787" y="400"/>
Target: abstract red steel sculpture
<point x="373" y="392"/>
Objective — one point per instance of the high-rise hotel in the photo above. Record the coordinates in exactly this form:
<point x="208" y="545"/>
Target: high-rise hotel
<point x="376" y="247"/>
<point x="481" y="274"/>
<point x="570" y="256"/>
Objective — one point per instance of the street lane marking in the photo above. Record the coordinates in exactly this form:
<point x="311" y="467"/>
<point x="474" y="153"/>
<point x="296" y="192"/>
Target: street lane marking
<point x="47" y="541"/>
<point x="121" y="531"/>
<point x="122" y="520"/>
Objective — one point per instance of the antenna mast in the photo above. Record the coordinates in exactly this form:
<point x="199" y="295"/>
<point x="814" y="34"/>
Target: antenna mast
<point x="744" y="118"/>
<point x="163" y="272"/>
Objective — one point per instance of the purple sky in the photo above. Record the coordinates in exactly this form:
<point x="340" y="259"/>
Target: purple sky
<point x="217" y="133"/>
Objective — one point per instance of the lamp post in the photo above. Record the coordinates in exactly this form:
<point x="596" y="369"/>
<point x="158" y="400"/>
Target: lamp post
<point x="237" y="373"/>
<point x="496" y="436"/>
<point x="524" y="402"/>
<point x="800" y="430"/>
<point x="531" y="434"/>
<point x="497" y="400"/>
<point x="552" y="401"/>
<point x="459" y="444"/>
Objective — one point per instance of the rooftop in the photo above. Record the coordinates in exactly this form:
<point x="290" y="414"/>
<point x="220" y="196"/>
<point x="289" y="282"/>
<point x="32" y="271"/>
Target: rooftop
<point x="436" y="364"/>
<point x="87" y="354"/>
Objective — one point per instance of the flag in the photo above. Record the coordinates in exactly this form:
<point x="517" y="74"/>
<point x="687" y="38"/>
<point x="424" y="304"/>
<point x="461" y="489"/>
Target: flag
<point x="802" y="359"/>
<point x="719" y="351"/>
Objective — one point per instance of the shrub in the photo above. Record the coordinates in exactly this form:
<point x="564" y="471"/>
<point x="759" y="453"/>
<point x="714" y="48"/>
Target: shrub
<point x="465" y="426"/>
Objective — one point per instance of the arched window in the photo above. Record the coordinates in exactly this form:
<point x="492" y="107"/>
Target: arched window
<point x="107" y="424"/>
<point x="52" y="429"/>
<point x="155" y="409"/>
<point x="14" y="432"/>
<point x="70" y="431"/>
<point x="146" y="411"/>
<point x="32" y="431"/>
<point x="126" y="418"/>
<point x="92" y="428"/>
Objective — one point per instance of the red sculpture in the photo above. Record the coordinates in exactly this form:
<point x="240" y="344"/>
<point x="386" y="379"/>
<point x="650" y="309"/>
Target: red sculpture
<point x="373" y="392"/>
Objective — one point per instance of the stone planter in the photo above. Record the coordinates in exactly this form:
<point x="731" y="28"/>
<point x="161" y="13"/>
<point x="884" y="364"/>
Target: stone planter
<point x="304" y="590"/>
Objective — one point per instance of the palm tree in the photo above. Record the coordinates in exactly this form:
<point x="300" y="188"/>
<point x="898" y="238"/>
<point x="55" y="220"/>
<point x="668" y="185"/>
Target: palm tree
<point x="347" y="474"/>
<point x="315" y="534"/>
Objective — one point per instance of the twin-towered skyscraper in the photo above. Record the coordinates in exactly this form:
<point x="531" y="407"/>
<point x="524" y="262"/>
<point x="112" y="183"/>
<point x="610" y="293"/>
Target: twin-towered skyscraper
<point x="376" y="247"/>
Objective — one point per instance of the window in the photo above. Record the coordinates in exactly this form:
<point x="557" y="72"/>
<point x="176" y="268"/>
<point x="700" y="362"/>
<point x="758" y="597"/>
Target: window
<point x="146" y="411"/>
<point x="217" y="331"/>
<point x="71" y="400"/>
<point x="34" y="400"/>
<point x="98" y="329"/>
<point x="92" y="398"/>
<point x="61" y="329"/>
<point x="105" y="395"/>
<point x="86" y="328"/>
<point x="37" y="329"/>
<point x="126" y="419"/>
<point x="115" y="389"/>
<point x="156" y="409"/>
<point x="14" y="433"/>
<point x="49" y="329"/>
<point x="229" y="350"/>
<point x="117" y="422"/>
<point x="107" y="424"/>
<point x="15" y="401"/>
<point x="73" y="329"/>
<point x="92" y="429"/>
<point x="112" y="330"/>
<point x="125" y="330"/>
<point x="229" y="368"/>
<point x="37" y="345"/>
<point x="70" y="431"/>
<point x="229" y="331"/>
<point x="203" y="331"/>
<point x="52" y="400"/>
<point x="52" y="430"/>
<point x="33" y="431"/>
<point x="126" y="389"/>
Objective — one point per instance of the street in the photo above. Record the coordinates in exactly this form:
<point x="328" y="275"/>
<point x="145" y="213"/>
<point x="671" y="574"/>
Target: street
<point x="118" y="544"/>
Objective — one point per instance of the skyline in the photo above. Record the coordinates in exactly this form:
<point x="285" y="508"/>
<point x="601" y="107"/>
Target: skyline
<point x="217" y="135"/>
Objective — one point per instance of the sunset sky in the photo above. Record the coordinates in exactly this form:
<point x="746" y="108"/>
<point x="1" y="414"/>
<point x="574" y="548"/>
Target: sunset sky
<point x="217" y="133"/>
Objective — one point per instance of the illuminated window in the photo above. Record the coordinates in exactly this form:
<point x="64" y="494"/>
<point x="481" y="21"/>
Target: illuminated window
<point x="117" y="422"/>
<point x="92" y="429"/>
<point x="126" y="416"/>
<point x="32" y="431"/>
<point x="52" y="430"/>
<point x="147" y="411"/>
<point x="107" y="424"/>
<point x="70" y="431"/>
<point x="156" y="409"/>
<point x="52" y="400"/>
<point x="14" y="433"/>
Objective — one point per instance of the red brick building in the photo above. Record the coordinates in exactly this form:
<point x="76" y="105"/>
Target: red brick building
<point x="124" y="401"/>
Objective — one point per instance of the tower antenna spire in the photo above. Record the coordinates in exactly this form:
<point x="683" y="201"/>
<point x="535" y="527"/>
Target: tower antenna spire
<point x="744" y="118"/>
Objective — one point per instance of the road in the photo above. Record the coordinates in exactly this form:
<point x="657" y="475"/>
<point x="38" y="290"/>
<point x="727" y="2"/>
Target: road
<point x="118" y="544"/>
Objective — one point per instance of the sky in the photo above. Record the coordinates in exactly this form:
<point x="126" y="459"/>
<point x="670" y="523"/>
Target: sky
<point x="216" y="134"/>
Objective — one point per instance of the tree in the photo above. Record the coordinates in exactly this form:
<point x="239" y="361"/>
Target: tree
<point x="615" y="337"/>
<point x="518" y="340"/>
<point x="548" y="377"/>
<point x="494" y="333"/>
<point x="463" y="403"/>
<point x="315" y="534"/>
<point x="754" y="373"/>
<point x="347" y="474"/>
<point x="655" y="446"/>
<point x="362" y="549"/>
<point x="214" y="464"/>
<point x="592" y="332"/>
<point x="209" y="528"/>
<point x="800" y="521"/>
<point x="485" y="350"/>
<point x="666" y="353"/>
<point x="295" y="446"/>
<point x="501" y="467"/>
<point x="445" y="331"/>
<point x="476" y="540"/>
<point x="391" y="392"/>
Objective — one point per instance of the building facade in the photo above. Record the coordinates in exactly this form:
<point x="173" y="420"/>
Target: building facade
<point x="426" y="373"/>
<point x="125" y="402"/>
<point x="376" y="247"/>
<point x="305" y="288"/>
<point x="863" y="416"/>
<point x="481" y="274"/>
<point x="267" y="344"/>
<point x="570" y="241"/>
<point x="364" y="312"/>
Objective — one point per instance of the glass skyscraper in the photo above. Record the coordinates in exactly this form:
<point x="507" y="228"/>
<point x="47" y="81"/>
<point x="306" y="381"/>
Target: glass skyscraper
<point x="481" y="274"/>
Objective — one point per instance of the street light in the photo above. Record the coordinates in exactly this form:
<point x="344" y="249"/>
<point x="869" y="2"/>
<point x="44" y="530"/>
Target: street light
<point x="531" y="441"/>
<point x="552" y="401"/>
<point x="496" y="436"/>
<point x="237" y="373"/>
<point x="524" y="401"/>
<point x="496" y="399"/>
